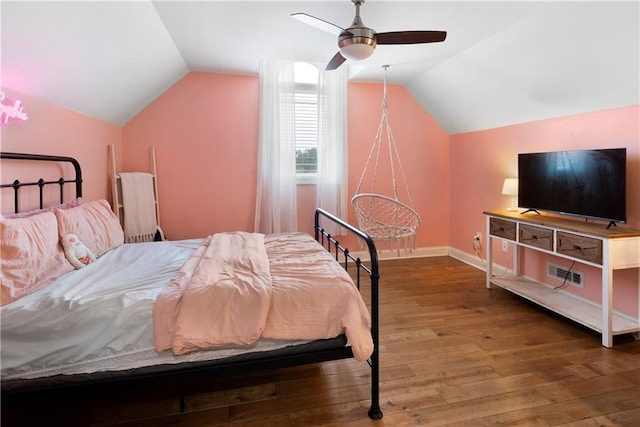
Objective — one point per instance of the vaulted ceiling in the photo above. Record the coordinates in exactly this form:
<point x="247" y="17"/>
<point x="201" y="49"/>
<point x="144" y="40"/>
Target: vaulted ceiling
<point x="503" y="62"/>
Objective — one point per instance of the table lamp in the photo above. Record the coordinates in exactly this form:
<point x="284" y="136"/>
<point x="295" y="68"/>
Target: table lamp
<point x="510" y="188"/>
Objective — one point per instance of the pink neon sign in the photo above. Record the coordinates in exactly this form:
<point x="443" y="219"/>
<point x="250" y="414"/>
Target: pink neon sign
<point x="11" y="111"/>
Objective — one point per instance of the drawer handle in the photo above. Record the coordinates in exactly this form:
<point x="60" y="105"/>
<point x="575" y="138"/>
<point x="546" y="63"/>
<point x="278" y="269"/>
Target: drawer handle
<point x="580" y="248"/>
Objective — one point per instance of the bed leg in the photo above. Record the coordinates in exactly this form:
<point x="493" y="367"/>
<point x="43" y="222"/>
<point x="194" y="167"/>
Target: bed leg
<point x="375" y="413"/>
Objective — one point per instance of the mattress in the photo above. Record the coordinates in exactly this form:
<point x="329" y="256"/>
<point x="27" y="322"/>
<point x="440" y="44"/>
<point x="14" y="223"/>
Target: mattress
<point x="99" y="318"/>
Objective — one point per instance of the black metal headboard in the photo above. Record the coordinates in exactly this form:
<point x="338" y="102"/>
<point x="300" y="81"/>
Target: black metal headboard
<point x="16" y="185"/>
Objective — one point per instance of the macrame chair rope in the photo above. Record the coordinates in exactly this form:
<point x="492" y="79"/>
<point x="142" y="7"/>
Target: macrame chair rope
<point x="390" y="223"/>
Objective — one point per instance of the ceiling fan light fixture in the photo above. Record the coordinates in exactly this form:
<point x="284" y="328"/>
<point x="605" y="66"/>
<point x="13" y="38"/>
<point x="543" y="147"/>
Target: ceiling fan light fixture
<point x="357" y="51"/>
<point x="357" y="43"/>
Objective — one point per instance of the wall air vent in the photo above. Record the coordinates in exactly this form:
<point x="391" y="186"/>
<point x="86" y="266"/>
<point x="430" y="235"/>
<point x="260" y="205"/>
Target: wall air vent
<point x="561" y="273"/>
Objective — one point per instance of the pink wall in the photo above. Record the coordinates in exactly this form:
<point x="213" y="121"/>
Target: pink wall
<point x="205" y="129"/>
<point x="481" y="160"/>
<point x="55" y="130"/>
<point x="205" y="132"/>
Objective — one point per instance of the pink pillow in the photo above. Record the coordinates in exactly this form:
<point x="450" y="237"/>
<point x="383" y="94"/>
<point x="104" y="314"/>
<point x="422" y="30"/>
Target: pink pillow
<point x="95" y="224"/>
<point x="66" y="205"/>
<point x="31" y="257"/>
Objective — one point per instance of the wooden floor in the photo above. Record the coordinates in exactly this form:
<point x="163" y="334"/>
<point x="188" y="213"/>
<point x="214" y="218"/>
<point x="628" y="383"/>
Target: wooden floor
<point x="452" y="353"/>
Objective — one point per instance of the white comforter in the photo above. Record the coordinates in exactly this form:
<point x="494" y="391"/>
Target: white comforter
<point x="88" y="314"/>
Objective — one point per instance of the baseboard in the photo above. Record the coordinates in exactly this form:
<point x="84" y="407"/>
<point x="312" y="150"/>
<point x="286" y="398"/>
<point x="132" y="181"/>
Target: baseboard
<point x="465" y="257"/>
<point x="471" y="259"/>
<point x="416" y="253"/>
<point x="404" y="254"/>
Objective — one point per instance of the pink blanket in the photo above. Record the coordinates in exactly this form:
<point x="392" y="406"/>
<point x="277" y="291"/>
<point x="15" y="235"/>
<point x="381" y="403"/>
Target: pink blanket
<point x="227" y="279"/>
<point x="238" y="287"/>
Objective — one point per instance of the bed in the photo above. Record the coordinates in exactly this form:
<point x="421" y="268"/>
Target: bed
<point x="124" y="318"/>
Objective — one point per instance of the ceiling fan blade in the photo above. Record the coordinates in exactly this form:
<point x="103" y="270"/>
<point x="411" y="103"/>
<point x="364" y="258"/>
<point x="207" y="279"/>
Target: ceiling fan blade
<point x="318" y="23"/>
<point x="335" y="62"/>
<point x="411" y="37"/>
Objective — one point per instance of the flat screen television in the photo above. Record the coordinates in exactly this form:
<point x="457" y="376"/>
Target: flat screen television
<point x="585" y="183"/>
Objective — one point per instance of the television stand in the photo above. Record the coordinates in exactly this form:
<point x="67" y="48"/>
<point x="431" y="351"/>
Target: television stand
<point x="586" y="243"/>
<point x="530" y="210"/>
<point x="611" y="224"/>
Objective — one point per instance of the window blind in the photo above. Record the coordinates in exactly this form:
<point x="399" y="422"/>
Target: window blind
<point x="306" y="128"/>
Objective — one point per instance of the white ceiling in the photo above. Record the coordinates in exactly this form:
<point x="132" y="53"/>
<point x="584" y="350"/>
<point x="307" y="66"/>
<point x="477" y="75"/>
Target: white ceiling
<point x="503" y="62"/>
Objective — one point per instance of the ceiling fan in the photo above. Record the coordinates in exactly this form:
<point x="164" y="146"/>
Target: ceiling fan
<point x="358" y="42"/>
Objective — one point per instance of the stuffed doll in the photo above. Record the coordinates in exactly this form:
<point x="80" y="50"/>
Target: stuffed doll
<point x="76" y="252"/>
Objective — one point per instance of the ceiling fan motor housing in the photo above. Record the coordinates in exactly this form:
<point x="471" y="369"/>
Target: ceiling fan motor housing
<point x="357" y="43"/>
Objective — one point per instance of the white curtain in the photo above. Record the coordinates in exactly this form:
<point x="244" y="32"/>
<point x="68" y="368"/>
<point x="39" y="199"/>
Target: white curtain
<point x="332" y="146"/>
<point x="276" y="209"/>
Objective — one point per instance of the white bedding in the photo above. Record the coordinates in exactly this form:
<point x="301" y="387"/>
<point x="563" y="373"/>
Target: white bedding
<point x="62" y="330"/>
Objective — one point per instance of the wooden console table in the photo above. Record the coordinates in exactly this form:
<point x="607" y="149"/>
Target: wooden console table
<point x="588" y="243"/>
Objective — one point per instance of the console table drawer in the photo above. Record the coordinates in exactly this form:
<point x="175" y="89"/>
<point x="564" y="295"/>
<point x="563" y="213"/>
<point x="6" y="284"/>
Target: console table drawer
<point x="580" y="247"/>
<point x="502" y="228"/>
<point x="536" y="236"/>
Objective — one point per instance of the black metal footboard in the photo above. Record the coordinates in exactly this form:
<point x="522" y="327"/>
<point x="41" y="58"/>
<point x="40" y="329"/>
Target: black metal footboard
<point x="343" y="255"/>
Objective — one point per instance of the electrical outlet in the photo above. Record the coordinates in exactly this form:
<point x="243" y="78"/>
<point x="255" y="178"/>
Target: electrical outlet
<point x="505" y="246"/>
<point x="477" y="242"/>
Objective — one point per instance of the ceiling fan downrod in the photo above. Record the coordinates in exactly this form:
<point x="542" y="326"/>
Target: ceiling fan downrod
<point x="357" y="21"/>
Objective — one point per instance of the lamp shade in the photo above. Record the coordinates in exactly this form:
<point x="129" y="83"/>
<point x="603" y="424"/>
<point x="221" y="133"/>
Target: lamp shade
<point x="357" y="51"/>
<point x="510" y="187"/>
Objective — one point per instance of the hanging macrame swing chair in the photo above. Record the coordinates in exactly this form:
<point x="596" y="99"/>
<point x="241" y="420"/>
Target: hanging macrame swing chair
<point x="390" y="222"/>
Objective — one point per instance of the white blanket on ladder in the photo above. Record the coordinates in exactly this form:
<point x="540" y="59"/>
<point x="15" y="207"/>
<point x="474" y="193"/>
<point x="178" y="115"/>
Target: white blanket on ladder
<point x="139" y="205"/>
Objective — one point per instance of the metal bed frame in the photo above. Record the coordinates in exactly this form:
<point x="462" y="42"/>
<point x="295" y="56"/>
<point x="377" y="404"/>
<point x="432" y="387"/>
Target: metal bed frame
<point x="252" y="362"/>
<point x="16" y="185"/>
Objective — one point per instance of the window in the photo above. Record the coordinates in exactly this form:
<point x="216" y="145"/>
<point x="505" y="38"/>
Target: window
<point x="276" y="208"/>
<point x="306" y="77"/>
